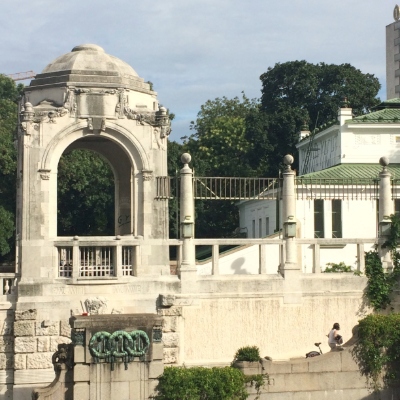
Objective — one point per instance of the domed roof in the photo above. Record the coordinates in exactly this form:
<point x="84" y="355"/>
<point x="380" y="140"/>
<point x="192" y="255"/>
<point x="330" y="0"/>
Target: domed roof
<point x="89" y="57"/>
<point x="89" y="65"/>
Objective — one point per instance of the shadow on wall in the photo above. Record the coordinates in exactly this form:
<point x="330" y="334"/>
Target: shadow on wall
<point x="388" y="394"/>
<point x="237" y="267"/>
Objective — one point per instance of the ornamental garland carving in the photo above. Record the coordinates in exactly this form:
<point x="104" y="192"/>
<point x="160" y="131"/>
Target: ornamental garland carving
<point x="122" y="345"/>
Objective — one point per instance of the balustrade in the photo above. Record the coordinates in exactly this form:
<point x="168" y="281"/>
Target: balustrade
<point x="96" y="258"/>
<point x="8" y="283"/>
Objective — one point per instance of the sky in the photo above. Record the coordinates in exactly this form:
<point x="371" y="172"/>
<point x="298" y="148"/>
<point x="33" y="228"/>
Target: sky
<point x="198" y="50"/>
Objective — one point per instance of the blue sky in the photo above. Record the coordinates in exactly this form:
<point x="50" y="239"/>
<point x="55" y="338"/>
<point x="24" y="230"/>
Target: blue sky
<point x="195" y="50"/>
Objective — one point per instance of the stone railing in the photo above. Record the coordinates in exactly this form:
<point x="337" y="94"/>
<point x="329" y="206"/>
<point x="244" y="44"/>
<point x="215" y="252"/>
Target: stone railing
<point x="8" y="283"/>
<point x="85" y="258"/>
<point x="266" y="256"/>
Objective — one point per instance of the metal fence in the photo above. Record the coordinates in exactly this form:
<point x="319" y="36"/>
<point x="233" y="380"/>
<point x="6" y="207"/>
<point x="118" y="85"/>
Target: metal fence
<point x="341" y="189"/>
<point x="239" y="188"/>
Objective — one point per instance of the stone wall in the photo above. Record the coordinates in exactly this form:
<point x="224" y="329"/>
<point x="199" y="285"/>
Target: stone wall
<point x="334" y="375"/>
<point x="35" y="342"/>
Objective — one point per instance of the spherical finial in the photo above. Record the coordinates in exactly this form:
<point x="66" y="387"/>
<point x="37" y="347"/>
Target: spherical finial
<point x="163" y="110"/>
<point x="288" y="159"/>
<point x="384" y="161"/>
<point x="28" y="106"/>
<point x="186" y="158"/>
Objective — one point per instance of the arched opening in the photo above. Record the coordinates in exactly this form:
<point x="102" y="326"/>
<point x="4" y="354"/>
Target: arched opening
<point x="85" y="194"/>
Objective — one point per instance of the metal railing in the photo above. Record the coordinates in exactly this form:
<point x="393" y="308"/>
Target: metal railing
<point x="340" y="189"/>
<point x="222" y="188"/>
<point x="243" y="188"/>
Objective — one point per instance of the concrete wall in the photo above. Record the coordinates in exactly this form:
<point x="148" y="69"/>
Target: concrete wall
<point x="334" y="375"/>
<point x="282" y="317"/>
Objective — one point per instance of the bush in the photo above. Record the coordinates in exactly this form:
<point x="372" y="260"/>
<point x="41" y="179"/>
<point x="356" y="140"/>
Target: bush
<point x="247" y="353"/>
<point x="200" y="383"/>
<point x="378" y="349"/>
<point x="341" y="267"/>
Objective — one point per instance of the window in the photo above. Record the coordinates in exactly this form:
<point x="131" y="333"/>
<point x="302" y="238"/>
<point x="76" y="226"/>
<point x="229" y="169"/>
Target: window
<point x="319" y="219"/>
<point x="397" y="207"/>
<point x="253" y="228"/>
<point x="267" y="226"/>
<point x="260" y="228"/>
<point x="337" y="218"/>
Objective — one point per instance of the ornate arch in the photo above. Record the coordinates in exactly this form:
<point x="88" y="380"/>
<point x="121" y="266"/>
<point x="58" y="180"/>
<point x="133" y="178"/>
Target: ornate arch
<point x="128" y="142"/>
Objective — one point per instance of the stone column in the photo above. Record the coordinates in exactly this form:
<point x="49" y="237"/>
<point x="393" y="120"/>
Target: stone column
<point x="188" y="265"/>
<point x="289" y="214"/>
<point x="385" y="209"/>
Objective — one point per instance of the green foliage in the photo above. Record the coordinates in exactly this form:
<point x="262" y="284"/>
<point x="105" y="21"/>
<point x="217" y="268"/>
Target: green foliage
<point x="218" y="145"/>
<point x="85" y="195"/>
<point x="378" y="349"/>
<point x="337" y="267"/>
<point x="257" y="381"/>
<point x="381" y="284"/>
<point x="9" y="94"/>
<point x="247" y="353"/>
<point x="201" y="384"/>
<point x="296" y="92"/>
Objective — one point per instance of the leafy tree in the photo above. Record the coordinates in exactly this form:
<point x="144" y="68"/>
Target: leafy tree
<point x="175" y="151"/>
<point x="9" y="93"/>
<point x="218" y="145"/>
<point x="85" y="195"/>
<point x="298" y="92"/>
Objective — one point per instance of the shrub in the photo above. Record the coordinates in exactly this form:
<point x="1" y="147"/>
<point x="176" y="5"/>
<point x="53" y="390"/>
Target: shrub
<point x="378" y="349"/>
<point x="200" y="383"/>
<point x="247" y="353"/>
<point x="341" y="267"/>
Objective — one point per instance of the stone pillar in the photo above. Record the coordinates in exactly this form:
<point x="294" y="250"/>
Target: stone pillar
<point x="385" y="210"/>
<point x="289" y="215"/>
<point x="291" y="267"/>
<point x="188" y="265"/>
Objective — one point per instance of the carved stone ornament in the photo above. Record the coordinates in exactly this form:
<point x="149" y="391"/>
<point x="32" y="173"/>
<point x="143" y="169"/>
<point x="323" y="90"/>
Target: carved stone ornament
<point x="90" y="124"/>
<point x="64" y="355"/>
<point x="96" y="306"/>
<point x="44" y="174"/>
<point x="157" y="334"/>
<point x="78" y="337"/>
<point x="147" y="175"/>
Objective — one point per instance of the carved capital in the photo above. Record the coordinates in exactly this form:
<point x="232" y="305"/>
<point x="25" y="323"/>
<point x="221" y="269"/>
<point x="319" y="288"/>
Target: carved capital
<point x="147" y="175"/>
<point x="45" y="174"/>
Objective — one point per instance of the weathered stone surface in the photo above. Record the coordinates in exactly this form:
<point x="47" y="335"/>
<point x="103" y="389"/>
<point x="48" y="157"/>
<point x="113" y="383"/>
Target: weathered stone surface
<point x="55" y="341"/>
<point x="48" y="328"/>
<point x="6" y="344"/>
<point x="170" y="324"/>
<point x="20" y="361"/>
<point x="43" y="344"/>
<point x="6" y="360"/>
<point x="157" y="351"/>
<point x="24" y="328"/>
<point x="7" y="326"/>
<point x="26" y="315"/>
<point x="25" y="345"/>
<point x="81" y="373"/>
<point x="173" y="311"/>
<point x="39" y="361"/>
<point x="65" y="329"/>
<point x="167" y="300"/>
<point x="156" y="368"/>
<point x="81" y="390"/>
<point x="170" y="339"/>
<point x="170" y="355"/>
